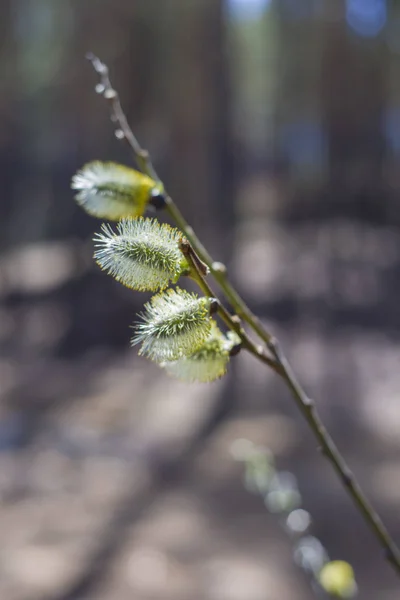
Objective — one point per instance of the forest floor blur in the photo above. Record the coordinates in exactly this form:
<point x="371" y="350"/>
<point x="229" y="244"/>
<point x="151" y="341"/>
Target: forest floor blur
<point x="100" y="500"/>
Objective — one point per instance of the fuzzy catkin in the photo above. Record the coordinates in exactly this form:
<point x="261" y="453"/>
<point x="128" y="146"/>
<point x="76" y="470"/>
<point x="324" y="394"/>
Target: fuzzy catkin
<point x="112" y="191"/>
<point x="143" y="255"/>
<point x="209" y="362"/>
<point x="175" y="324"/>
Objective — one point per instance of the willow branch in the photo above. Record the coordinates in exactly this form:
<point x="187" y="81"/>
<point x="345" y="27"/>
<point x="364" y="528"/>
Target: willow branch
<point x="231" y="321"/>
<point x="279" y="362"/>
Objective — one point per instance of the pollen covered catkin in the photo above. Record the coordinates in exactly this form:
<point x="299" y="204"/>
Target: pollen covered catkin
<point x="175" y="323"/>
<point x="144" y="255"/>
<point x="209" y="362"/>
<point x="112" y="191"/>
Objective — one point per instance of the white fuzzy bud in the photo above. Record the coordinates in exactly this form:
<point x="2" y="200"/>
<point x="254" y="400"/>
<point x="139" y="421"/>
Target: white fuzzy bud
<point x="112" y="191"/>
<point x="175" y="323"/>
<point x="209" y="362"/>
<point x="143" y="254"/>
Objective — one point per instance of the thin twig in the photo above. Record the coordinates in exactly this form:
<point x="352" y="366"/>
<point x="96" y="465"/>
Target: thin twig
<point x="331" y="452"/>
<point x="232" y="321"/>
<point x="280" y="364"/>
<point x="118" y="116"/>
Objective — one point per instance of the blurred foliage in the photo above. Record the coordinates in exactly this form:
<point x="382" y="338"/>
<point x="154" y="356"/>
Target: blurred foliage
<point x="282" y="497"/>
<point x="337" y="578"/>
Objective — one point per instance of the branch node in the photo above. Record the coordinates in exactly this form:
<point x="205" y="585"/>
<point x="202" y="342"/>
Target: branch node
<point x="110" y="94"/>
<point x="273" y="345"/>
<point x="308" y="402"/>
<point x="157" y="199"/>
<point x="347" y="477"/>
<point x="235" y="350"/>
<point x="189" y="252"/>
<point x="214" y="306"/>
<point x="219" y="267"/>
<point x="144" y="154"/>
<point x="184" y="246"/>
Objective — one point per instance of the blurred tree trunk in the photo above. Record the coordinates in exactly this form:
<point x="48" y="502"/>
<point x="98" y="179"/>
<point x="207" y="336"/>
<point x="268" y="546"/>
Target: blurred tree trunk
<point x="299" y="153"/>
<point x="354" y="94"/>
<point x="196" y="92"/>
<point x="10" y="146"/>
<point x="298" y="110"/>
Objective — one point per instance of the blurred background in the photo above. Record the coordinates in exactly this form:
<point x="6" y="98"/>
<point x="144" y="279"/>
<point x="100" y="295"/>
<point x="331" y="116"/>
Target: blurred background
<point x="275" y="125"/>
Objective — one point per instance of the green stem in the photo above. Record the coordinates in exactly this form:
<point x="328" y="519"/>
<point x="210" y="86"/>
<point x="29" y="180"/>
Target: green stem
<point x="279" y="362"/>
<point x="331" y="452"/>
<point x="218" y="271"/>
<point x="232" y="322"/>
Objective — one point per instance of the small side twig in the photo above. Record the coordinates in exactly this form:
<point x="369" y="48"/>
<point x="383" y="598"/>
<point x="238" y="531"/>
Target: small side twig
<point x="232" y="321"/>
<point x="279" y="362"/>
<point x="118" y="116"/>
